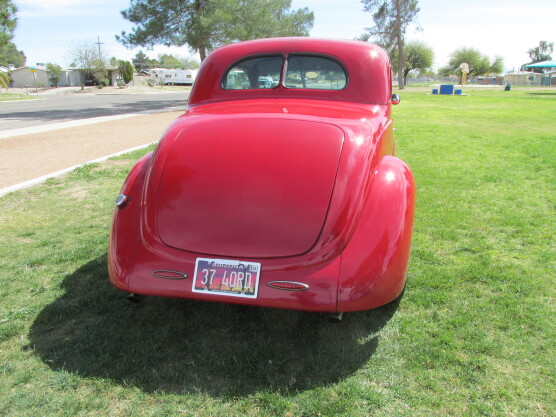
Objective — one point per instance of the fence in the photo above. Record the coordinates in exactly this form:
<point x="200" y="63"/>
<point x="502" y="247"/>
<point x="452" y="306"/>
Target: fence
<point x="532" y="79"/>
<point x="543" y="80"/>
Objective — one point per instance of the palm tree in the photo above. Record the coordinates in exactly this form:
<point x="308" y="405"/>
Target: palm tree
<point x="4" y="79"/>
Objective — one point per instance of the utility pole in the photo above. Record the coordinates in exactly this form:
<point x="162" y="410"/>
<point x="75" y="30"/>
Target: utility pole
<point x="98" y="42"/>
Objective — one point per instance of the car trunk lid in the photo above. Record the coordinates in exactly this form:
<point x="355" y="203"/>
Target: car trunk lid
<point x="248" y="187"/>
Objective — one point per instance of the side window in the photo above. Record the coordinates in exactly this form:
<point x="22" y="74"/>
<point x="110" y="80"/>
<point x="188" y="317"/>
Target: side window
<point x="254" y="73"/>
<point x="314" y="72"/>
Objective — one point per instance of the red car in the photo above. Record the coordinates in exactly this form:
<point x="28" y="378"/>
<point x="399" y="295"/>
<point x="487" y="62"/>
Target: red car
<point x="278" y="187"/>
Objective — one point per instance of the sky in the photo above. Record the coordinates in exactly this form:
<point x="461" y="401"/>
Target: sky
<point x="47" y="30"/>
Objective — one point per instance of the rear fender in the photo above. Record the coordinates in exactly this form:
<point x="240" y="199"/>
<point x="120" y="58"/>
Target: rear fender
<point x="374" y="264"/>
<point x="125" y="233"/>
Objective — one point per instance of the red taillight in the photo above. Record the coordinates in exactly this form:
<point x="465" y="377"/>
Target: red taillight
<point x="288" y="285"/>
<point x="169" y="274"/>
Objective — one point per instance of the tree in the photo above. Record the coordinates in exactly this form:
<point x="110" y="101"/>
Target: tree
<point x="9" y="55"/>
<point x="8" y="51"/>
<point x="169" y="61"/>
<point x="391" y="19"/>
<point x="188" y="63"/>
<point x="126" y="69"/>
<point x="497" y="65"/>
<point x="418" y="56"/>
<point x="479" y="64"/>
<point x="206" y="24"/>
<point x="541" y="53"/>
<point x="143" y="62"/>
<point x="8" y="21"/>
<point x="85" y="56"/>
<point x="54" y="73"/>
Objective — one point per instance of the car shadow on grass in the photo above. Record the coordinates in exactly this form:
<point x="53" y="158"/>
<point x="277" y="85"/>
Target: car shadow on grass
<point x="184" y="346"/>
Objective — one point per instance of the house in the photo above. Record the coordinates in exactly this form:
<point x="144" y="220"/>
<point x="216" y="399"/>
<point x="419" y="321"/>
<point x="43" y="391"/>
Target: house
<point x="24" y="76"/>
<point x="522" y="78"/>
<point x="548" y="78"/>
<point x="29" y="77"/>
<point x="71" y="77"/>
<point x="75" y="77"/>
<point x="142" y="77"/>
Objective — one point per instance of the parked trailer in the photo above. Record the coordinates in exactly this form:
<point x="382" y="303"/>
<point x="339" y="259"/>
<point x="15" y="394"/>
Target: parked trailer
<point x="176" y="76"/>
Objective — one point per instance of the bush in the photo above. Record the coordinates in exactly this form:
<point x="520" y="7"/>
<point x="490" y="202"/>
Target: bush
<point x="127" y="72"/>
<point x="54" y="73"/>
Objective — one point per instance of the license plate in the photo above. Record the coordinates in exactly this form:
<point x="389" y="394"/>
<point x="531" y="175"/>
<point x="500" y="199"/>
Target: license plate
<point x="226" y="277"/>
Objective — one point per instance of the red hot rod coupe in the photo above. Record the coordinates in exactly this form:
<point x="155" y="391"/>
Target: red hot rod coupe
<point x="278" y="187"/>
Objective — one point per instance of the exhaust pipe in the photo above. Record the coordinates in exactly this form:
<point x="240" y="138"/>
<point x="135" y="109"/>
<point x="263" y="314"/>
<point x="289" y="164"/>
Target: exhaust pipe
<point x="133" y="298"/>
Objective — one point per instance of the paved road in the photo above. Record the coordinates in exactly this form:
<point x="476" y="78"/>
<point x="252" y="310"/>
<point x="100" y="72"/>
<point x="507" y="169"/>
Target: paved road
<point x="54" y="109"/>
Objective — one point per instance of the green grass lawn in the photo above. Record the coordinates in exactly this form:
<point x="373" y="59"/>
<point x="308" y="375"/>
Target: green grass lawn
<point x="13" y="96"/>
<point x="474" y="334"/>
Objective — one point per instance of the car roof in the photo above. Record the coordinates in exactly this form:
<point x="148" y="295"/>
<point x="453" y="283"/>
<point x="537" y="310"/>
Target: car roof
<point x="367" y="66"/>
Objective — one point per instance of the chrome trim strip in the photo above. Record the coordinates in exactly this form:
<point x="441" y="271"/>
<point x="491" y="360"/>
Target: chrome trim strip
<point x="305" y="286"/>
<point x="182" y="275"/>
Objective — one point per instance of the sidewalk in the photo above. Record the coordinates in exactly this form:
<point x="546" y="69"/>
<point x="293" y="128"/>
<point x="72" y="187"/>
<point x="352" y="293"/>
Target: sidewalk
<point x="30" y="91"/>
<point x="29" y="156"/>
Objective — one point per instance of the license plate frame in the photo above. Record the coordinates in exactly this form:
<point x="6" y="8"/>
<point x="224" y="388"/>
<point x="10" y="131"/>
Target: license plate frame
<point x="226" y="277"/>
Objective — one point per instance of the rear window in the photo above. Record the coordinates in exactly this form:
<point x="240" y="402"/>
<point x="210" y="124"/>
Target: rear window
<point x="302" y="71"/>
<point x="314" y="72"/>
<point x="254" y="73"/>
